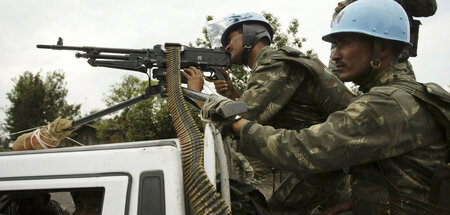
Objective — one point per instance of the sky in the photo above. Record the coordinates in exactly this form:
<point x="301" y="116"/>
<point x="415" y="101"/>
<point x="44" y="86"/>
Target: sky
<point x="143" y="23"/>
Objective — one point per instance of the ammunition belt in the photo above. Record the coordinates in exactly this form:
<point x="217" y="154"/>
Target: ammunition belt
<point x="203" y="197"/>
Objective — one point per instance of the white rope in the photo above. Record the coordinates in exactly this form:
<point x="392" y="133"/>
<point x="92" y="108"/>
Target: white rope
<point x="206" y="107"/>
<point x="212" y="101"/>
<point x="20" y="132"/>
<point x="37" y="134"/>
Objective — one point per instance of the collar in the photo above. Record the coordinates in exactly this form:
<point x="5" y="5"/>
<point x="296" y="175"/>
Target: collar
<point x="395" y="72"/>
<point x="260" y="56"/>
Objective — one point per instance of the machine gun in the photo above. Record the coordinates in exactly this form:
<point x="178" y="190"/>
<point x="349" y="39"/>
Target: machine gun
<point x="153" y="61"/>
<point x="190" y="148"/>
<point x="209" y="61"/>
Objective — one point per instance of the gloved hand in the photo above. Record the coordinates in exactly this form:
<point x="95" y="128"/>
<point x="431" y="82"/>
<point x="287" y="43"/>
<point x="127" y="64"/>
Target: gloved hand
<point x="46" y="137"/>
<point x="210" y="112"/>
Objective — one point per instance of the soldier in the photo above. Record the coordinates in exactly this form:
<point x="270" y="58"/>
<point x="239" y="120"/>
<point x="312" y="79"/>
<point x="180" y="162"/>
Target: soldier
<point x="286" y="89"/>
<point x="413" y="8"/>
<point x="390" y="138"/>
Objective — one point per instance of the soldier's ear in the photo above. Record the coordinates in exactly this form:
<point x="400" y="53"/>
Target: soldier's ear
<point x="387" y="48"/>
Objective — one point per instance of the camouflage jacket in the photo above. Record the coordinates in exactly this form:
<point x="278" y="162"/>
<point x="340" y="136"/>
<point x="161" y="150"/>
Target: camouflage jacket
<point x="289" y="90"/>
<point x="390" y="141"/>
<point x="284" y="94"/>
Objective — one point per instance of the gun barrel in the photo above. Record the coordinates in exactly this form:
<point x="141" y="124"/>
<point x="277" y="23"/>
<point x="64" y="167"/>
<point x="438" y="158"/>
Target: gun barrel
<point x="103" y="56"/>
<point x="57" y="47"/>
<point x="91" y="48"/>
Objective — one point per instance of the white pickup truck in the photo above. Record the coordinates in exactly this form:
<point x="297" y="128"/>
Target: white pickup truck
<point x="142" y="178"/>
<point x="152" y="177"/>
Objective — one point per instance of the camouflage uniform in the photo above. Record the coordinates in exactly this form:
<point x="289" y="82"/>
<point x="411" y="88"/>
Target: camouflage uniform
<point x="243" y="163"/>
<point x="287" y="94"/>
<point x="283" y="94"/>
<point x="390" y="141"/>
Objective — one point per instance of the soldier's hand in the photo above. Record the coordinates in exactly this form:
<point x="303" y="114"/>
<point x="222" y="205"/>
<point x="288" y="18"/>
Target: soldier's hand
<point x="225" y="87"/>
<point x="194" y="78"/>
<point x="211" y="112"/>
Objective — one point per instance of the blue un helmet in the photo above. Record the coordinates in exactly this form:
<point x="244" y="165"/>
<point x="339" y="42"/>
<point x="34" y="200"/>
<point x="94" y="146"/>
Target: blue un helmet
<point x="381" y="19"/>
<point x="385" y="19"/>
<point x="254" y="27"/>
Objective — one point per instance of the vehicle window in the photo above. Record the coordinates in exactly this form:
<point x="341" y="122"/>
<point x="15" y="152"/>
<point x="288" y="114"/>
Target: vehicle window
<point x="86" y="201"/>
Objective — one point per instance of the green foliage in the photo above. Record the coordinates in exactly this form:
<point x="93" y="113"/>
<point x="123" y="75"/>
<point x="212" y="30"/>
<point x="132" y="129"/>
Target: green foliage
<point x="4" y="144"/>
<point x="147" y="120"/>
<point x="35" y="102"/>
<point x="128" y="88"/>
<point x="55" y="98"/>
<point x="240" y="74"/>
<point x="204" y="42"/>
<point x="151" y="119"/>
<point x="27" y="103"/>
<point x="290" y="38"/>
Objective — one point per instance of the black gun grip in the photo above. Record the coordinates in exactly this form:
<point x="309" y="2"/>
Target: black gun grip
<point x="219" y="75"/>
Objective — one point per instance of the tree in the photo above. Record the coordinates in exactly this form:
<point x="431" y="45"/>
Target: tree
<point x="55" y="98"/>
<point x="130" y="87"/>
<point x="147" y="120"/>
<point x="3" y="143"/>
<point x="239" y="73"/>
<point x="35" y="102"/>
<point x="151" y="119"/>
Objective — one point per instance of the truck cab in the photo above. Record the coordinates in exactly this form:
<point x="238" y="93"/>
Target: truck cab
<point x="124" y="178"/>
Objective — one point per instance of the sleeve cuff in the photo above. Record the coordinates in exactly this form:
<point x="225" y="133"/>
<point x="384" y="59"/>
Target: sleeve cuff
<point x="246" y="127"/>
<point x="246" y="138"/>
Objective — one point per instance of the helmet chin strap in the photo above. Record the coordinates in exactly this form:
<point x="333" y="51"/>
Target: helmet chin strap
<point x="375" y="63"/>
<point x="246" y="54"/>
<point x="252" y="33"/>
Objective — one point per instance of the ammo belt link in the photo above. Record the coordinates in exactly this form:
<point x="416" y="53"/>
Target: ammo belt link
<point x="203" y="197"/>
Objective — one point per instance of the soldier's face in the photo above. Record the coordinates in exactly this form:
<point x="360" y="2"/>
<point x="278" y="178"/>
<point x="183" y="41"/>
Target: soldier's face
<point x="352" y="57"/>
<point x="235" y="47"/>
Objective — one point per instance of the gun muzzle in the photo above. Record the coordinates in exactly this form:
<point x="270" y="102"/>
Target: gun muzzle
<point x="44" y="46"/>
